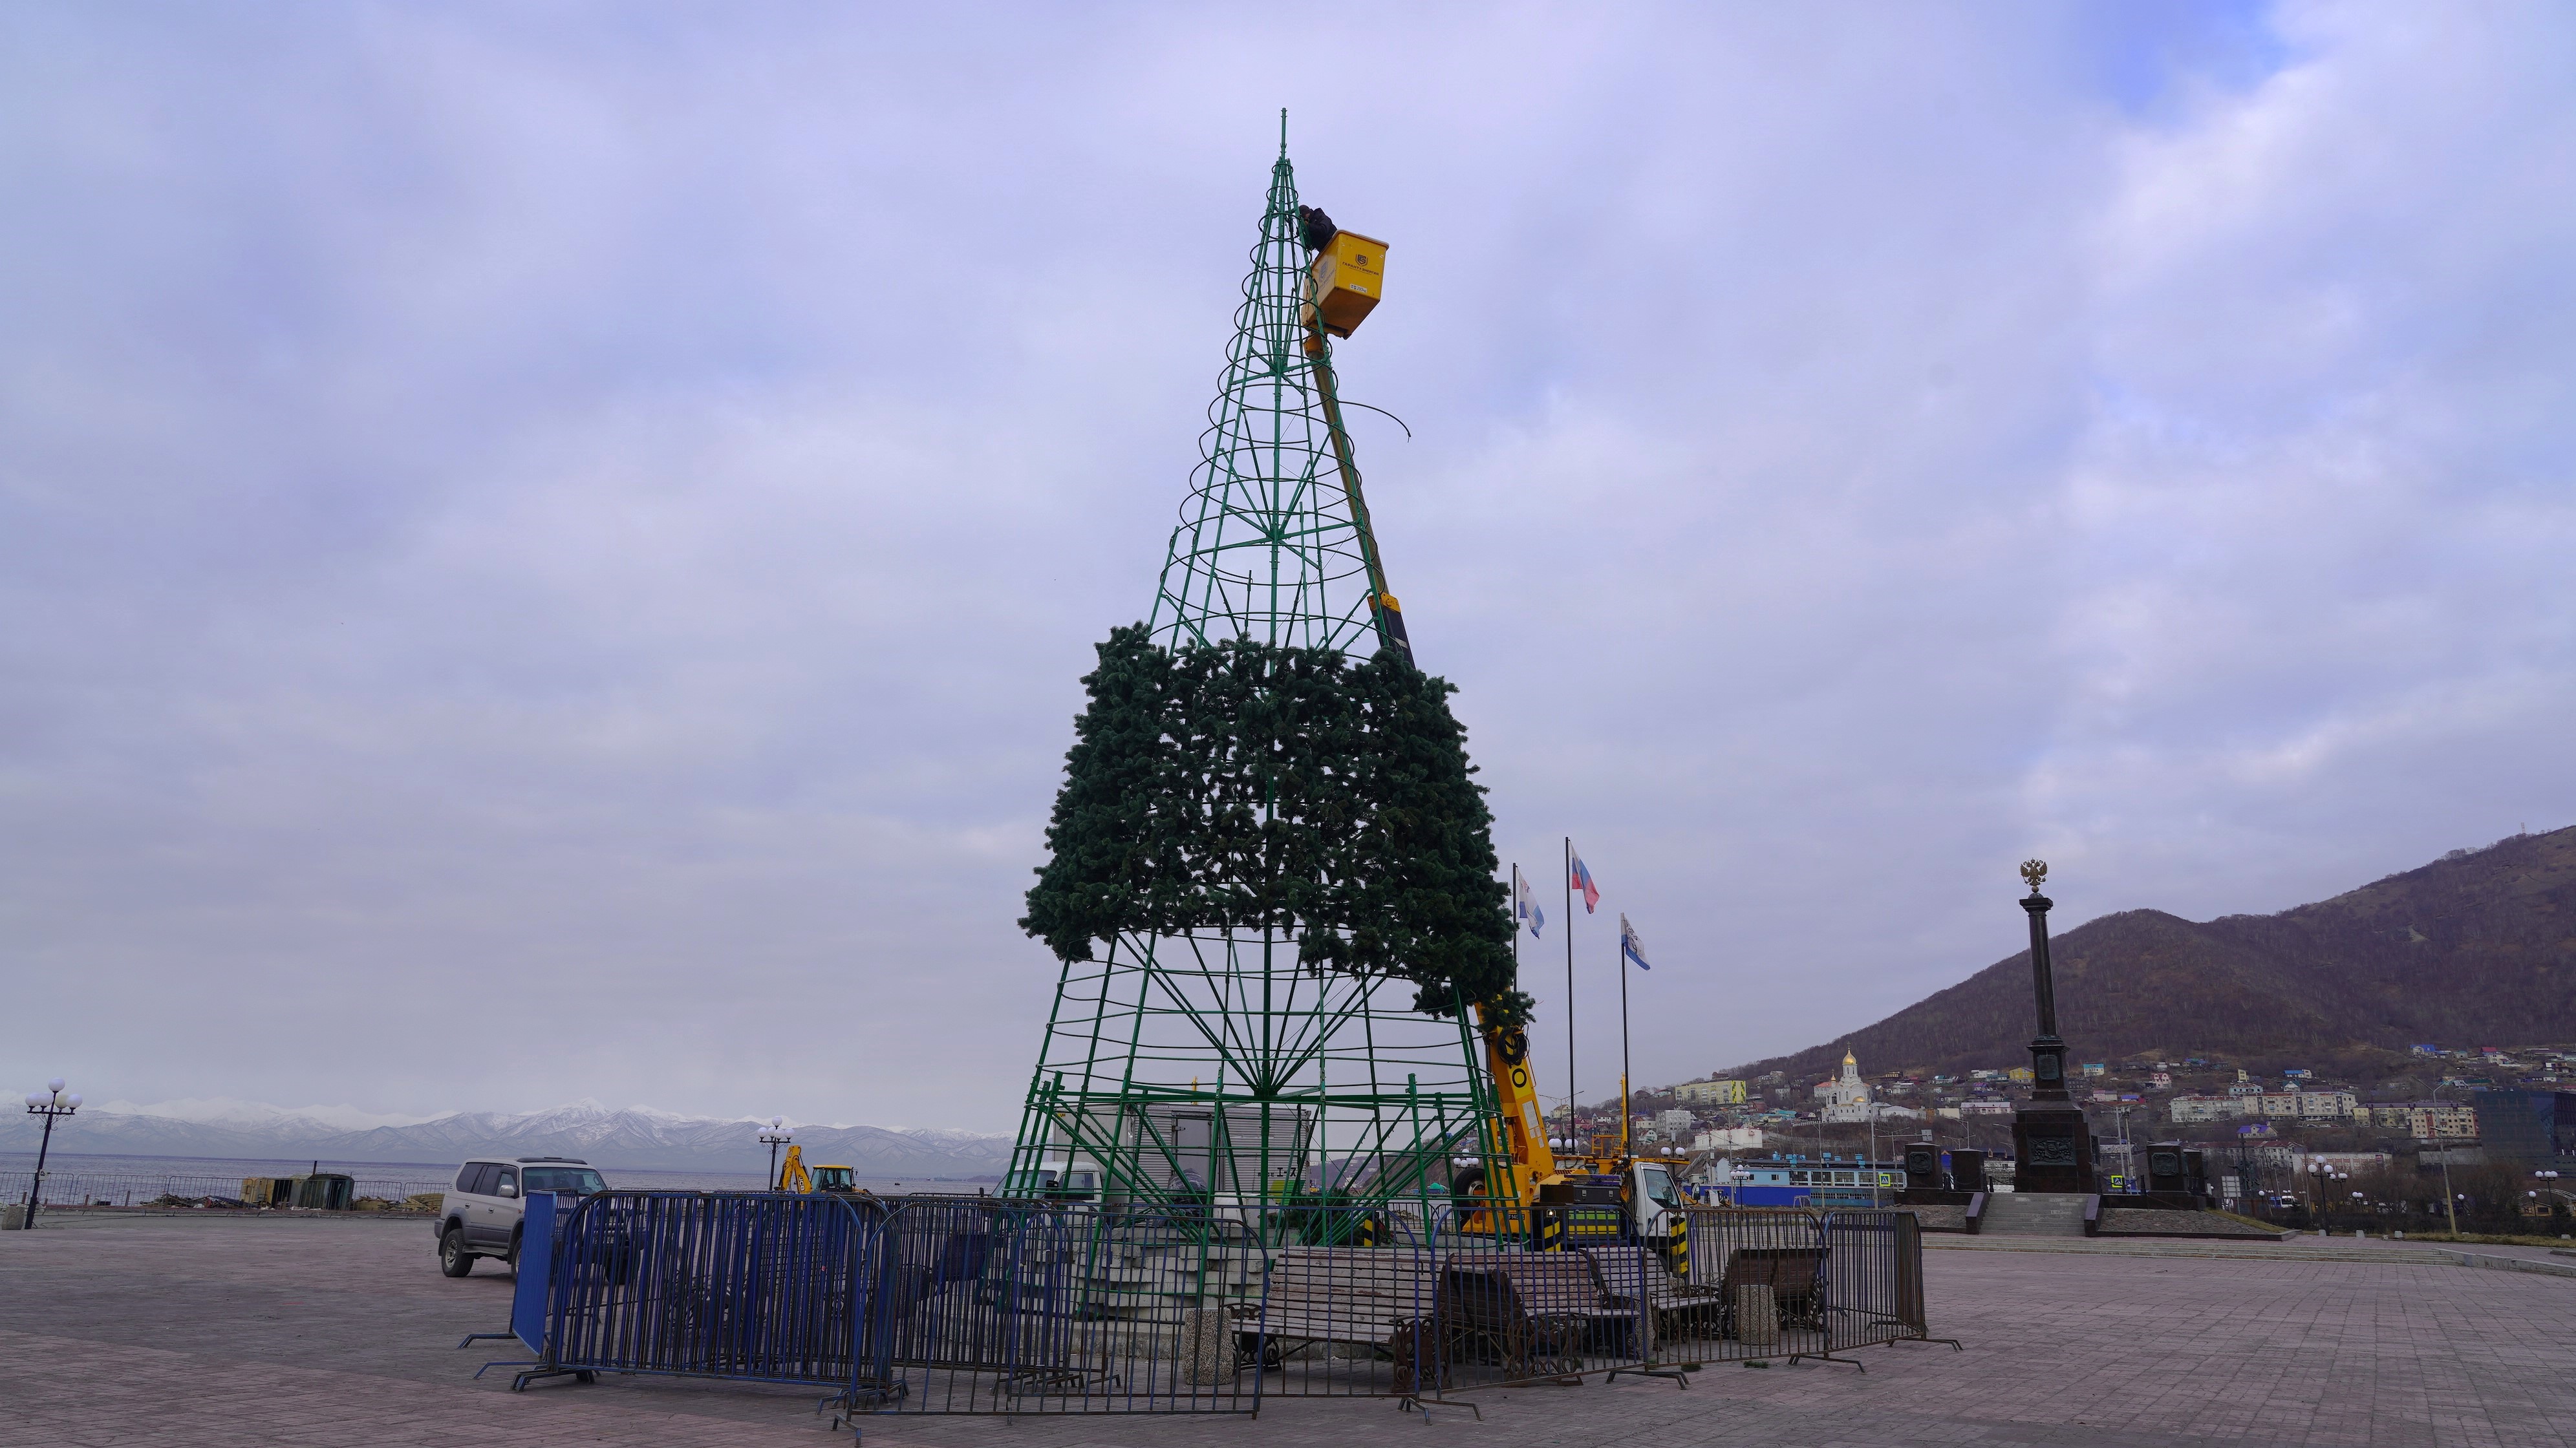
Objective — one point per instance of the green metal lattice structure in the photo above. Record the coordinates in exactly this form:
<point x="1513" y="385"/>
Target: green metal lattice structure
<point x="1212" y="1065"/>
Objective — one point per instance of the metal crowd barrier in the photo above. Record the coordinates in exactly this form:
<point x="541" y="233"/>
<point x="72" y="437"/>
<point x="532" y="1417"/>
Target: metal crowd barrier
<point x="950" y="1305"/>
<point x="1797" y="1284"/>
<point x="764" y="1287"/>
<point x="985" y="1305"/>
<point x="1443" y="1303"/>
<point x="1758" y="1279"/>
<point x="1874" y="1282"/>
<point x="904" y="1305"/>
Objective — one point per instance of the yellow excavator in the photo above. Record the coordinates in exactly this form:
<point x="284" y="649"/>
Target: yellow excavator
<point x="1346" y="281"/>
<point x="795" y="1176"/>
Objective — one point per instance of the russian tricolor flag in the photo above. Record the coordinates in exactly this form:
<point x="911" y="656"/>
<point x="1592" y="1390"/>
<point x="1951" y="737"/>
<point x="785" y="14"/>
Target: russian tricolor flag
<point x="1579" y="875"/>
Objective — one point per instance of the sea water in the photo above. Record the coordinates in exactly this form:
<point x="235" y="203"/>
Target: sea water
<point x="129" y="1180"/>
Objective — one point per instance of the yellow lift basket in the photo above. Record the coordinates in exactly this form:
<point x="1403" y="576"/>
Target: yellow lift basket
<point x="1346" y="280"/>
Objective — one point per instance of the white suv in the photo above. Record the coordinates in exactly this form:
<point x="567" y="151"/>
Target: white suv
<point x="480" y="1218"/>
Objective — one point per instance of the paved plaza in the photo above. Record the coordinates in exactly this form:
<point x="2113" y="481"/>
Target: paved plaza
<point x="306" y="1330"/>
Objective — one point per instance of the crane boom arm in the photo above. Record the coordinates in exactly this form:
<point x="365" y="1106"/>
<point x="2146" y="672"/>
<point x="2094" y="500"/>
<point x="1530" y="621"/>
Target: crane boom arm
<point x="1519" y="1146"/>
<point x="1517" y="1116"/>
<point x="1383" y="609"/>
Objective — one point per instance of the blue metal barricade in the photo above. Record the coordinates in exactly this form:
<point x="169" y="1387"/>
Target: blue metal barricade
<point x="922" y="1305"/>
<point x="530" y="1294"/>
<point x="945" y="1305"/>
<point x="764" y="1287"/>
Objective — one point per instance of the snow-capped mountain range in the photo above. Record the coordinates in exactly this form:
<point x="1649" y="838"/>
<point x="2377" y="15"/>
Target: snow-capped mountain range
<point x="636" y="1137"/>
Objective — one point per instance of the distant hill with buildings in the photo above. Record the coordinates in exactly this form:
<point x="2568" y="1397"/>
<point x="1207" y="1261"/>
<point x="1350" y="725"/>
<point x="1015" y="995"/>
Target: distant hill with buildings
<point x="2478" y="947"/>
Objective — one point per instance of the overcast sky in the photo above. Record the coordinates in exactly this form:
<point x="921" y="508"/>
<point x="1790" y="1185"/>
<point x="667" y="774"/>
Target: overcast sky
<point x="547" y="551"/>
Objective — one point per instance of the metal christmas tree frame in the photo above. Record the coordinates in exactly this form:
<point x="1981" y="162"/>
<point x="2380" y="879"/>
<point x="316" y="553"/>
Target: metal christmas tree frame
<point x="1213" y="1064"/>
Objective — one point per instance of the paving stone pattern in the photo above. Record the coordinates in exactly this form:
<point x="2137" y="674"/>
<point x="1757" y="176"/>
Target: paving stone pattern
<point x="340" y="1331"/>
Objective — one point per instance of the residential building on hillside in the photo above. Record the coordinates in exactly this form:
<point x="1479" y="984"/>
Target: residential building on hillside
<point x="1673" y="1125"/>
<point x="1986" y="1106"/>
<point x="2259" y="1104"/>
<point x="2197" y="1110"/>
<point x="2426" y="1120"/>
<point x="1710" y="1093"/>
<point x="2332" y="1105"/>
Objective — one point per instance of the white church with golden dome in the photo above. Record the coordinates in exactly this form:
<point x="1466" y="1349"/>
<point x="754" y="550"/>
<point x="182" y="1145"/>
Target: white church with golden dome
<point x="1845" y="1099"/>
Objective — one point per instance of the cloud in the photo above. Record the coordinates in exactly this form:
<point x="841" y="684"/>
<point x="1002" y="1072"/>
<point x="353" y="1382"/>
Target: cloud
<point x="551" y="553"/>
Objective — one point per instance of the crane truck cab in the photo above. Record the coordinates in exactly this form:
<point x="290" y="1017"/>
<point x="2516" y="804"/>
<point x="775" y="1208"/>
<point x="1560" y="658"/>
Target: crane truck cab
<point x="1063" y="1179"/>
<point x="1597" y="1190"/>
<point x="1652" y="1195"/>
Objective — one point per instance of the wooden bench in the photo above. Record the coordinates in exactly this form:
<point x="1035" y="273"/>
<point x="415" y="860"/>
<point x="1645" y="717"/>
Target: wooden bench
<point x="1534" y="1312"/>
<point x="1378" y="1297"/>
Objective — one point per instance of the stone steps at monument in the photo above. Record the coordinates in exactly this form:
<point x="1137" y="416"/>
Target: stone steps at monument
<point x="2032" y="1214"/>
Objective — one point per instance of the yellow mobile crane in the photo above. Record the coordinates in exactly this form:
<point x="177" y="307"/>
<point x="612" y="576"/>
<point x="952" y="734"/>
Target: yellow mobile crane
<point x="1345" y="282"/>
<point x="1574" y="1189"/>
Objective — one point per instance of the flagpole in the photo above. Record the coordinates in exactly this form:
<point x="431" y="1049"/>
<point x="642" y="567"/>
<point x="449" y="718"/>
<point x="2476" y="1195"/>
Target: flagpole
<point x="1501" y="1142"/>
<point x="1625" y="1147"/>
<point x="1569" y="993"/>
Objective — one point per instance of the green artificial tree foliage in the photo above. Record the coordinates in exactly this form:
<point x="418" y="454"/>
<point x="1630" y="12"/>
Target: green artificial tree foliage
<point x="1253" y="786"/>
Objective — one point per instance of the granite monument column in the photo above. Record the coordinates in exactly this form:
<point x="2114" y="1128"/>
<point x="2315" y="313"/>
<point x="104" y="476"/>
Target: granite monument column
<point x="2052" y="1142"/>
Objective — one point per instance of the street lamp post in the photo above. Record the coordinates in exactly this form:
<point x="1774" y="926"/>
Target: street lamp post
<point x="2128" y="1154"/>
<point x="2450" y="1208"/>
<point x="775" y="1135"/>
<point x="49" y="1103"/>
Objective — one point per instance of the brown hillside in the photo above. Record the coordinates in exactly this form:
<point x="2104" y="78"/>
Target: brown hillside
<point x="2477" y="948"/>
